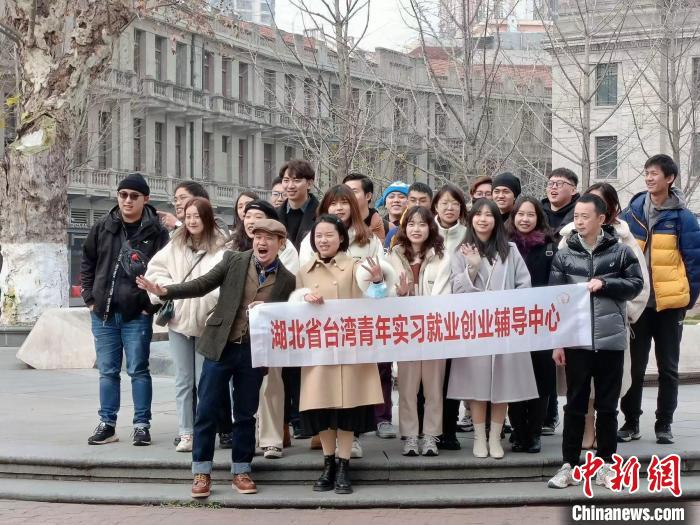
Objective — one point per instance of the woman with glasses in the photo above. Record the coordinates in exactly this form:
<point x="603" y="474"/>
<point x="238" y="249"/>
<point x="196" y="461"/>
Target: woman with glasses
<point x="481" y="188"/>
<point x="191" y="253"/>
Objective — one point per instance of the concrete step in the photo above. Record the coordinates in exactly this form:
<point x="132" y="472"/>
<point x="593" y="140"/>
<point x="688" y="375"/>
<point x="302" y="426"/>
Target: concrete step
<point x="301" y="495"/>
<point x="383" y="462"/>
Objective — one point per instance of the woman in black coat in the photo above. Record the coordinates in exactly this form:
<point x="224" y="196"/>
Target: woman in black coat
<point x="529" y="230"/>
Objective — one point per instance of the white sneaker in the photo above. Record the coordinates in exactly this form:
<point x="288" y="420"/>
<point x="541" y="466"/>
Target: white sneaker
<point x="410" y="446"/>
<point x="429" y="447"/>
<point x="465" y="424"/>
<point x="604" y="476"/>
<point x="185" y="444"/>
<point x="356" y="451"/>
<point x="563" y="478"/>
<point x="272" y="452"/>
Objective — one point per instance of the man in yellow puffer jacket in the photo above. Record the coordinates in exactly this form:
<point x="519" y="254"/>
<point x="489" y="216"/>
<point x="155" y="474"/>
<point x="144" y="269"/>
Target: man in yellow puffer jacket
<point x="669" y="236"/>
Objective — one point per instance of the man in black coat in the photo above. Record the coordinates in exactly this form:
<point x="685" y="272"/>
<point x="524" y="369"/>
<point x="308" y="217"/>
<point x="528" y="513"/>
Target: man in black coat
<point x="297" y="213"/>
<point x="116" y="250"/>
<point x="246" y="279"/>
<point x="595" y="256"/>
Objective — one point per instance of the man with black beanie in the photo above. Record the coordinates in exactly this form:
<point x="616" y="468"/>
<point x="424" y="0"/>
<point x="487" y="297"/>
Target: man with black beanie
<point x="505" y="189"/>
<point x="116" y="251"/>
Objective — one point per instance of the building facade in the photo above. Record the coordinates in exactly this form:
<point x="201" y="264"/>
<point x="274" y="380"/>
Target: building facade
<point x="644" y="71"/>
<point x="230" y="107"/>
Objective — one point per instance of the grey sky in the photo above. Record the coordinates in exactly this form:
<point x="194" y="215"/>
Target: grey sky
<point x="387" y="27"/>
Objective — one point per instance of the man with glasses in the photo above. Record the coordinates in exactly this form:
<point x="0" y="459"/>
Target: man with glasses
<point x="559" y="208"/>
<point x="116" y="251"/>
<point x="561" y="198"/>
<point x="278" y="195"/>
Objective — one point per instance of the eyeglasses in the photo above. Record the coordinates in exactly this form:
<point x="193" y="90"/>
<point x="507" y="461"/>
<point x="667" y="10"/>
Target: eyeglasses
<point x="124" y="195"/>
<point x="482" y="194"/>
<point x="279" y="195"/>
<point x="446" y="205"/>
<point x="558" y="183"/>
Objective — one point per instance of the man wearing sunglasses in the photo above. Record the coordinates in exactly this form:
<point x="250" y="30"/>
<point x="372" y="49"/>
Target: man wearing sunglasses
<point x="116" y="251"/>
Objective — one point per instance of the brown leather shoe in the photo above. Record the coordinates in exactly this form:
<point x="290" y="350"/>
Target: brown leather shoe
<point x="287" y="439"/>
<point x="201" y="486"/>
<point x="243" y="484"/>
<point x="315" y="443"/>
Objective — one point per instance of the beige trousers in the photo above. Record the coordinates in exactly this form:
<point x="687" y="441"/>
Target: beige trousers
<point x="432" y="373"/>
<point x="271" y="410"/>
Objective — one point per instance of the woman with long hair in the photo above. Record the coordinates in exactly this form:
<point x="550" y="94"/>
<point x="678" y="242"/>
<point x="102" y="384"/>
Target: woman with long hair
<point x="419" y="259"/>
<point x="237" y="232"/>
<point x="529" y="231"/>
<point x="488" y="262"/>
<point x="341" y="202"/>
<point x="191" y="253"/>
<point x="338" y="400"/>
<point x="635" y="307"/>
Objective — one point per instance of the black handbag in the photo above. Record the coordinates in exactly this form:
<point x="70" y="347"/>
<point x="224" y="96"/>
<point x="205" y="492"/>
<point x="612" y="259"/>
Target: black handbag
<point x="167" y="310"/>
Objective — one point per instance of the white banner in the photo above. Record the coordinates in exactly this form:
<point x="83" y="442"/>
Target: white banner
<point x="350" y="331"/>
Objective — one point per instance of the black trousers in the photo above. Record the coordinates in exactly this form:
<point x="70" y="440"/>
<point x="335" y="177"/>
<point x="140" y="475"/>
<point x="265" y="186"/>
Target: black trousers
<point x="291" y="377"/>
<point x="527" y="417"/>
<point x="605" y="368"/>
<point x="666" y="329"/>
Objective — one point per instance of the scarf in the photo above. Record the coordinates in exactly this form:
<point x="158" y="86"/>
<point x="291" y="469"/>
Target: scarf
<point x="526" y="242"/>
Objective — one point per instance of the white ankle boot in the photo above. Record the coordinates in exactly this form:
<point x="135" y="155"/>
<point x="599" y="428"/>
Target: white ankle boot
<point x="495" y="448"/>
<point x="480" y="447"/>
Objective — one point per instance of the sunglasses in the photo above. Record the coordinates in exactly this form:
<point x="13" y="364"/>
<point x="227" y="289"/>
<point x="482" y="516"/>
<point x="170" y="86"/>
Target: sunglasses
<point x="124" y="195"/>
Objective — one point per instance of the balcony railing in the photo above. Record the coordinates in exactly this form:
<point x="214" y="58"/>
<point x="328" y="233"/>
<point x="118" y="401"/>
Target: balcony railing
<point x="104" y="182"/>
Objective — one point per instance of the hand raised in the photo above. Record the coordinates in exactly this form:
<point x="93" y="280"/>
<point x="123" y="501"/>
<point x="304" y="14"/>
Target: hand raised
<point x="402" y="288"/>
<point x="150" y="286"/>
<point x="374" y="270"/>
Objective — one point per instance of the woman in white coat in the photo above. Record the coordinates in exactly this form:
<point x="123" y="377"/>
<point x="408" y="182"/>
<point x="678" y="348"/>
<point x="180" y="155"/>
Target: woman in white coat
<point x="419" y="259"/>
<point x="192" y="252"/>
<point x="635" y="307"/>
<point x="488" y="262"/>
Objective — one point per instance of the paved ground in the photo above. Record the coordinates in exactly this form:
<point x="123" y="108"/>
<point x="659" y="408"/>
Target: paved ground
<point x="18" y="512"/>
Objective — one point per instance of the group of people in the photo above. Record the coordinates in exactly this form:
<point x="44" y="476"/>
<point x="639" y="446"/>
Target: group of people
<point x="201" y="278"/>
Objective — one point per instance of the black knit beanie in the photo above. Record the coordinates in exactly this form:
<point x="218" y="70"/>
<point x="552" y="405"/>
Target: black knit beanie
<point x="508" y="180"/>
<point x="136" y="182"/>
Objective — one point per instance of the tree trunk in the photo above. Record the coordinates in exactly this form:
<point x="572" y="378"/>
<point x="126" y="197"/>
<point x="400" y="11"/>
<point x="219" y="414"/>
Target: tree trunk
<point x="33" y="215"/>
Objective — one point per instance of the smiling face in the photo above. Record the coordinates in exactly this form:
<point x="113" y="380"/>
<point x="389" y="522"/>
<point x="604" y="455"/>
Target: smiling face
<point x="193" y="222"/>
<point x="396" y="203"/>
<point x="266" y="246"/>
<point x="278" y="195"/>
<point x="448" y="210"/>
<point x="483" y="223"/>
<point x="181" y="198"/>
<point x="327" y="239"/>
<point x="297" y="188"/>
<point x="240" y="206"/>
<point x="341" y="209"/>
<point x="526" y="219"/>
<point x="504" y="199"/>
<point x="249" y="220"/>
<point x="657" y="183"/>
<point x="131" y="204"/>
<point x="417" y="230"/>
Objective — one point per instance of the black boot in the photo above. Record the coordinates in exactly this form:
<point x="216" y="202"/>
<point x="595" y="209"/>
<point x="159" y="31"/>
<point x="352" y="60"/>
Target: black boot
<point x="342" y="478"/>
<point x="535" y="446"/>
<point x="327" y="479"/>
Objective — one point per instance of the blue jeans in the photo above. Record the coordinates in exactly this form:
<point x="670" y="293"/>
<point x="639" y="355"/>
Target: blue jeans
<point x="133" y="338"/>
<point x="213" y="390"/>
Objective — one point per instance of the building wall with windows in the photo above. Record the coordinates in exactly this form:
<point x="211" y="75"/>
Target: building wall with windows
<point x="629" y="82"/>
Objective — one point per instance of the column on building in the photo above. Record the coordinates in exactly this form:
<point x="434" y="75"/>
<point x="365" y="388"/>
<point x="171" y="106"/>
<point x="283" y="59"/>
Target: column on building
<point x="256" y="175"/>
<point x="149" y="39"/>
<point x="195" y="143"/>
<point x="126" y="137"/>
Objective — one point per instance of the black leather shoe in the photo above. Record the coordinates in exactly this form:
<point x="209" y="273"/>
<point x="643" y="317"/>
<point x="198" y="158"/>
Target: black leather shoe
<point x="518" y="446"/>
<point x="342" y="477"/>
<point x="326" y="481"/>
<point x="536" y="445"/>
<point x="448" y="442"/>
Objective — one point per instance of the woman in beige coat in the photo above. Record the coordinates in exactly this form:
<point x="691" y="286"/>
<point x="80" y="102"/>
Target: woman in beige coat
<point x="635" y="307"/>
<point x="418" y="257"/>
<point x="337" y="400"/>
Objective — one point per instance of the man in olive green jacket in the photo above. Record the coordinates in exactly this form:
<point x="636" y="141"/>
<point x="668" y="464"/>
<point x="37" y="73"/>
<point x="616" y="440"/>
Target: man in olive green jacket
<point x="246" y="280"/>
